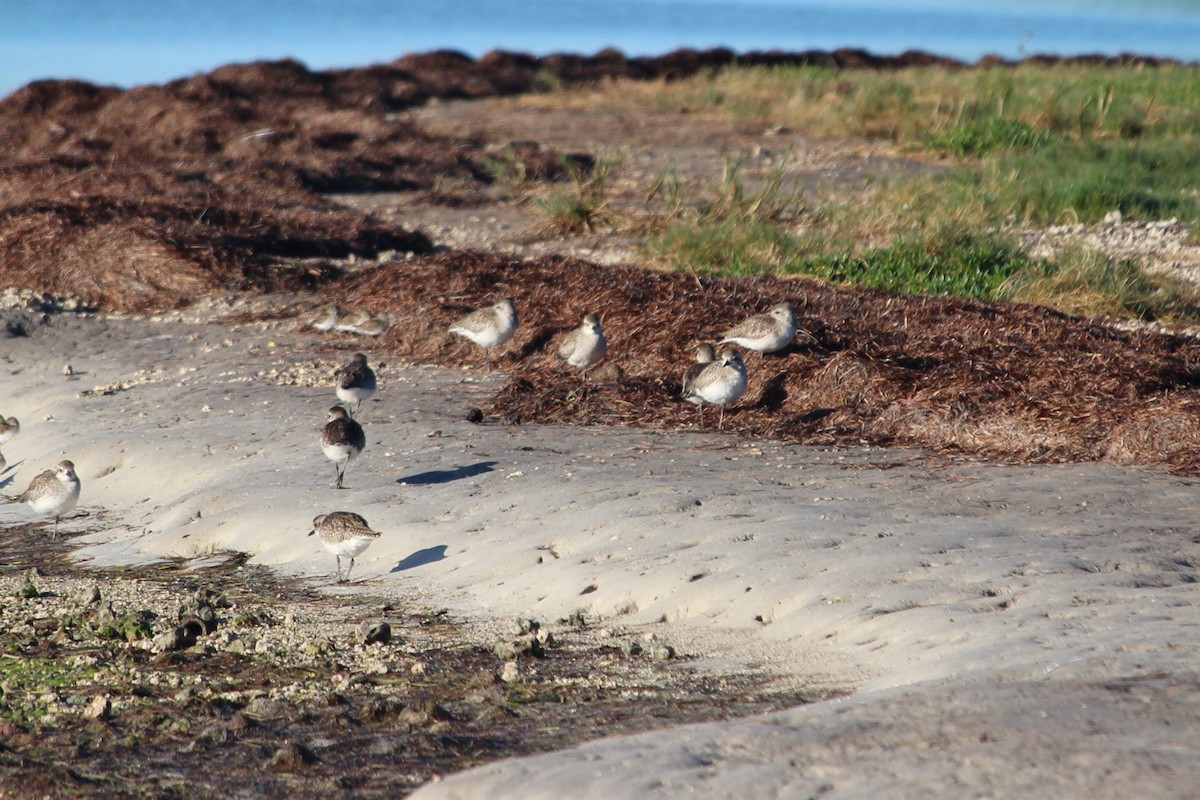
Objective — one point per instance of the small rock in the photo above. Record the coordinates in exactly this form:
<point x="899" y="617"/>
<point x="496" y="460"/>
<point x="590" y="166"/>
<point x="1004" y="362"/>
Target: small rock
<point x="474" y="416"/>
<point x="510" y="672"/>
<point x="375" y="633"/>
<point x="291" y="757"/>
<point x="87" y="596"/>
<point x="522" y="645"/>
<point x="631" y="648"/>
<point x="661" y="652"/>
<point x="99" y="708"/>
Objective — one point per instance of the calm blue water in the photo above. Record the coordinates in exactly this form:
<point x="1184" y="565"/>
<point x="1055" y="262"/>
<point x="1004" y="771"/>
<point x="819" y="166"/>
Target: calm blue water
<point x="127" y="43"/>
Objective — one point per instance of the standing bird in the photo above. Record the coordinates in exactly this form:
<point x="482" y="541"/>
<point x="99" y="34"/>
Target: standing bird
<point x="488" y="327"/>
<point x="705" y="355"/>
<point x="343" y="533"/>
<point x="765" y="333"/>
<point x="8" y="429"/>
<point x="341" y="440"/>
<point x="720" y="382"/>
<point x="55" y="491"/>
<point x="355" y="381"/>
<point x="585" y="345"/>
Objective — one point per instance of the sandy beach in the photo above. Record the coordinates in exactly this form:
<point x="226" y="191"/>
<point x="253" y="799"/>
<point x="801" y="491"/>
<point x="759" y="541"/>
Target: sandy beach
<point x="997" y="631"/>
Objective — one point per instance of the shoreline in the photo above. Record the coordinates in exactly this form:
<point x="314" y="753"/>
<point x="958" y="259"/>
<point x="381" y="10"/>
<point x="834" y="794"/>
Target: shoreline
<point x="904" y="577"/>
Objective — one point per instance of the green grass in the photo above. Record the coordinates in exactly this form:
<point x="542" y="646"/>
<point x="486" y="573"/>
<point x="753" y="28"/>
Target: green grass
<point x="1084" y="281"/>
<point x="1031" y="145"/>
<point x="968" y="266"/>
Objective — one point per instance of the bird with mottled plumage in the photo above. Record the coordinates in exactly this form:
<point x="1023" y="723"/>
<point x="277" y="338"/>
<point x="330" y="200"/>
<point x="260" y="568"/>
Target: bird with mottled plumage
<point x="324" y="318"/>
<point x="341" y="440"/>
<point x="8" y="429"/>
<point x="53" y="492"/>
<point x="354" y="382"/>
<point x="765" y="333"/>
<point x="585" y="345"/>
<point x="343" y="533"/>
<point x="705" y="355"/>
<point x="720" y="382"/>
<point x="488" y="327"/>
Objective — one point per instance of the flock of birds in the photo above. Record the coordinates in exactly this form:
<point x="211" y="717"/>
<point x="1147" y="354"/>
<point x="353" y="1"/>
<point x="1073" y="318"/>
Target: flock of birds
<point x="718" y="377"/>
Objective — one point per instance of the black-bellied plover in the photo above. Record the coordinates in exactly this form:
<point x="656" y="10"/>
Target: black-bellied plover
<point x="354" y="381"/>
<point x="765" y="333"/>
<point x="8" y="429"/>
<point x="324" y="318"/>
<point x="705" y="355"/>
<point x="721" y="382"/>
<point x="53" y="492"/>
<point x="488" y="327"/>
<point x="343" y="533"/>
<point x="585" y="345"/>
<point x="362" y="321"/>
<point x="341" y="440"/>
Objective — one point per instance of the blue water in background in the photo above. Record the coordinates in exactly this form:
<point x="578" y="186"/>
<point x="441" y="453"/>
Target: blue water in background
<point x="127" y="43"/>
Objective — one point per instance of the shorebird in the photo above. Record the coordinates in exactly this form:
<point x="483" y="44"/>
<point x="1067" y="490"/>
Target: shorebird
<point x="585" y="345"/>
<point x="341" y="440"/>
<point x="53" y="492"/>
<point x="765" y="333"/>
<point x="361" y="321"/>
<point x="705" y="355"/>
<point x="719" y="382"/>
<point x="343" y="533"/>
<point x="324" y="318"/>
<point x="355" y="381"/>
<point x="8" y="429"/>
<point x="488" y="327"/>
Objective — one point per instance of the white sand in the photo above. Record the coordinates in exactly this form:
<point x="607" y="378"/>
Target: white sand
<point x="1007" y="631"/>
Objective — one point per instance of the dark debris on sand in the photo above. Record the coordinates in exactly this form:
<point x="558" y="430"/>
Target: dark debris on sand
<point x="149" y="198"/>
<point x="85" y="713"/>
<point x="1016" y="383"/>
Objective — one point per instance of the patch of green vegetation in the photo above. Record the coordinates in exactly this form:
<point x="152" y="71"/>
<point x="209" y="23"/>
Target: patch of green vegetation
<point x="23" y="680"/>
<point x="1084" y="281"/>
<point x="968" y="266"/>
<point x="730" y="247"/>
<point x="582" y="204"/>
<point x="984" y="137"/>
<point x="1142" y="179"/>
<point x="1031" y="144"/>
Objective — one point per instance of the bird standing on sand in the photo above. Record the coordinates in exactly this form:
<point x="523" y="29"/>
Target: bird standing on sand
<point x="341" y="440"/>
<point x="343" y="533"/>
<point x="585" y="345"/>
<point x="765" y="333"/>
<point x="8" y="429"/>
<point x="53" y="492"/>
<point x="355" y="382"/>
<point x="488" y="327"/>
<point x="720" y="382"/>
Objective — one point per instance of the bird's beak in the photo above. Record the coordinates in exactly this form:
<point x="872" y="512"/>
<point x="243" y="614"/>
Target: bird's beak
<point x="310" y="533"/>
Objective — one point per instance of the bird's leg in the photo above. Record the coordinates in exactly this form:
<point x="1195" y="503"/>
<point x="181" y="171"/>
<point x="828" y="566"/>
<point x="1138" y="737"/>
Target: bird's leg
<point x="351" y="567"/>
<point x="339" y="567"/>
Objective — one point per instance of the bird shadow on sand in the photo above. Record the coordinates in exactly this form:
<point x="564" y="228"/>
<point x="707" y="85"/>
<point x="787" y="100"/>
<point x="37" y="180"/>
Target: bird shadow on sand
<point x="422" y="557"/>
<point x="436" y="476"/>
